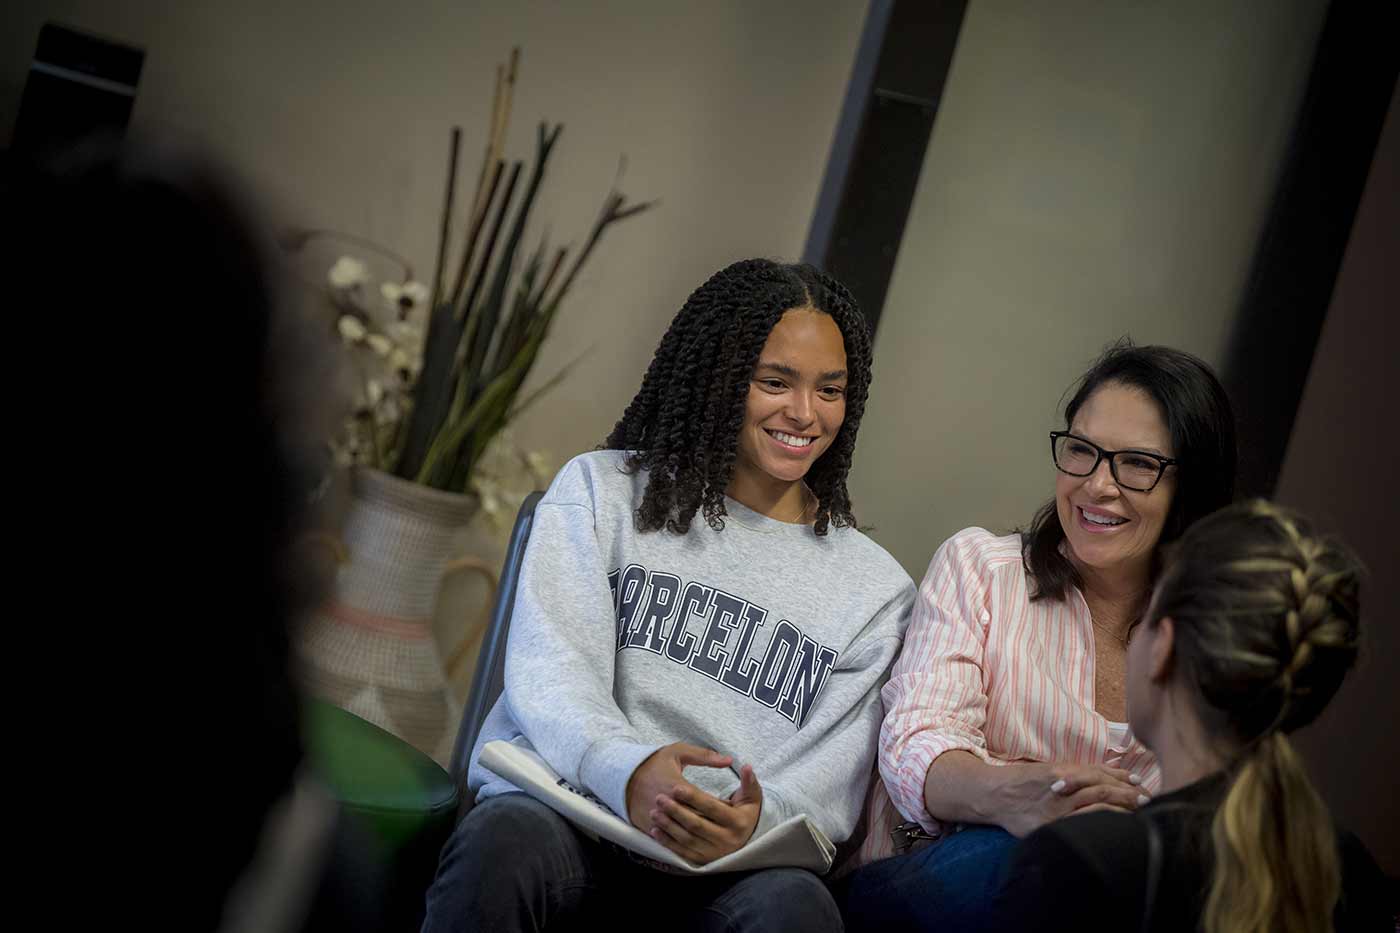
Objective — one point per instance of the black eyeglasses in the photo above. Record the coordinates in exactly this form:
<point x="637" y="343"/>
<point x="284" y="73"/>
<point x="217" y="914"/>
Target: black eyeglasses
<point x="1132" y="469"/>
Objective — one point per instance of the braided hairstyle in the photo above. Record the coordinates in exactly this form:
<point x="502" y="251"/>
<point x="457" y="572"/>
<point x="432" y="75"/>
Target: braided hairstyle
<point x="683" y="424"/>
<point x="1266" y="625"/>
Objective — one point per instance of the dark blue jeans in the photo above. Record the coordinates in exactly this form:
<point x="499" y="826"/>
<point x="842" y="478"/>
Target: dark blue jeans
<point x="946" y="886"/>
<point x="514" y="864"/>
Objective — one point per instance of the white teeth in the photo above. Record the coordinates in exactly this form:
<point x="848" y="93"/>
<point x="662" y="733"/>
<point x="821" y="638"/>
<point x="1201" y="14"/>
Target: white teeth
<point x="791" y="440"/>
<point x="1101" y="519"/>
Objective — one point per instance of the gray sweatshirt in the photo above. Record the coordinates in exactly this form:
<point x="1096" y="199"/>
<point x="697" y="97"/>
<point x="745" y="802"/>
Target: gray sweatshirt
<point x="760" y="640"/>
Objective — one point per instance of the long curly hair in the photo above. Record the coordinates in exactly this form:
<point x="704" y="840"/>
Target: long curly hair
<point x="683" y="424"/>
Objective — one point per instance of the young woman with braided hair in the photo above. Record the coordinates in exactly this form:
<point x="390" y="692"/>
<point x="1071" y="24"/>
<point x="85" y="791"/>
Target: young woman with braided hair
<point x="1252" y="627"/>
<point x="700" y="632"/>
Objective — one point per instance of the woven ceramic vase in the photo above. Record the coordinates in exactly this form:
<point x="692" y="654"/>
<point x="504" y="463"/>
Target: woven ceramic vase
<point x="370" y="648"/>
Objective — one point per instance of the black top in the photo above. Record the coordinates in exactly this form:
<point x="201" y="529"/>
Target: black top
<point x="1090" y="872"/>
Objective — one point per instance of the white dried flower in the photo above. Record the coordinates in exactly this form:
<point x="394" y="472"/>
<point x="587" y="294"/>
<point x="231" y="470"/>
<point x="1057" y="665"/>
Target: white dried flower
<point x="381" y="345"/>
<point x="404" y="366"/>
<point x="405" y="297"/>
<point x="352" y="329"/>
<point x="348" y="272"/>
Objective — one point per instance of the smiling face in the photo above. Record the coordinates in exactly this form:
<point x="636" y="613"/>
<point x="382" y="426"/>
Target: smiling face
<point x="796" y="402"/>
<point x="1107" y="527"/>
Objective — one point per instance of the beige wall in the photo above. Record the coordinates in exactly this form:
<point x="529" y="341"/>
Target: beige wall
<point x="341" y="111"/>
<point x="1096" y="169"/>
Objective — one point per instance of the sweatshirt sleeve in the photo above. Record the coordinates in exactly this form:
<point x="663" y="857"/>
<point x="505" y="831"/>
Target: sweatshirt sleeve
<point x="559" y="659"/>
<point x="824" y="768"/>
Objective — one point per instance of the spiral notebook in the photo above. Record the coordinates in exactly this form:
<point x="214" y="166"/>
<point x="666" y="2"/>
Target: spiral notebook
<point x="793" y="843"/>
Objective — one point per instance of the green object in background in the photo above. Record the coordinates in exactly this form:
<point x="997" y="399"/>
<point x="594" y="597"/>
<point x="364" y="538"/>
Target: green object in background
<point x="404" y="797"/>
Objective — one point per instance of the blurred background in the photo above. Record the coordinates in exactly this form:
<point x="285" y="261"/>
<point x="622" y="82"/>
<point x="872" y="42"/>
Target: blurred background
<point x="1007" y="185"/>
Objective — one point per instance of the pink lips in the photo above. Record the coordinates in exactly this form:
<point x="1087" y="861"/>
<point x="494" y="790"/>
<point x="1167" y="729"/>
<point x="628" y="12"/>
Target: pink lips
<point x="1080" y="510"/>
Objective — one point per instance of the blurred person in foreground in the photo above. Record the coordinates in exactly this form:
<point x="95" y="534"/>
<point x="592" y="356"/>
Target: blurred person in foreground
<point x="168" y="441"/>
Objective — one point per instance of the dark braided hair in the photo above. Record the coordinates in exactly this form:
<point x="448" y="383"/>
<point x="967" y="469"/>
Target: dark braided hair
<point x="683" y="425"/>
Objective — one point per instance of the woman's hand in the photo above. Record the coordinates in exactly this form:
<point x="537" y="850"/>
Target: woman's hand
<point x="1031" y="794"/>
<point x="700" y="827"/>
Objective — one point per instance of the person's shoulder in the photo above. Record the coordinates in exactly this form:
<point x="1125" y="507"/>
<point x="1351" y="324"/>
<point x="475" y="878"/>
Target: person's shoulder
<point x="876" y="565"/>
<point x="978" y="551"/>
<point x="601" y="462"/>
<point x="985" y="547"/>
<point x="592" y="477"/>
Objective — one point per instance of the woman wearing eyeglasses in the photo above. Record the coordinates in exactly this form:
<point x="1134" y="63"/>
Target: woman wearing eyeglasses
<point x="1006" y="709"/>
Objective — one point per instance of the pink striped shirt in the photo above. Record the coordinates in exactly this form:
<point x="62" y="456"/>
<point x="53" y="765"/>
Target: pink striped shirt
<point x="987" y="671"/>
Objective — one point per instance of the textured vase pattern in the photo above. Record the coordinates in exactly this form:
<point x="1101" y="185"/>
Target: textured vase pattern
<point x="370" y="648"/>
